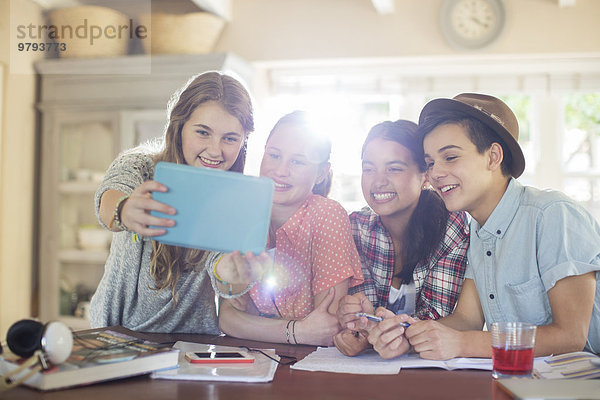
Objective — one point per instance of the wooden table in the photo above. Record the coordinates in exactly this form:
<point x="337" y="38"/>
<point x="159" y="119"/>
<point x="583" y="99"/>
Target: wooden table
<point x="429" y="383"/>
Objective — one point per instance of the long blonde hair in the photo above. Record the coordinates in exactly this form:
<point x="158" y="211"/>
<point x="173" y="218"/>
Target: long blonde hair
<point x="168" y="262"/>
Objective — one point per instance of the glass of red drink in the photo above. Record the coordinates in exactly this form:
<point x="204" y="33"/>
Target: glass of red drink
<point x="512" y="349"/>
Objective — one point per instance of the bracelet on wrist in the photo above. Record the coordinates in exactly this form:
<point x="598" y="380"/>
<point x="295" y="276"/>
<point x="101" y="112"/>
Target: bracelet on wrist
<point x="287" y="331"/>
<point x="116" y="221"/>
<point x="294" y="331"/>
<point x="218" y="278"/>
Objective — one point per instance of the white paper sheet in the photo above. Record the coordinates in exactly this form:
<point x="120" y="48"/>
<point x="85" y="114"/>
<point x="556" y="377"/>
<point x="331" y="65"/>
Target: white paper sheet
<point x="329" y="359"/>
<point x="261" y="370"/>
<point x="414" y="361"/>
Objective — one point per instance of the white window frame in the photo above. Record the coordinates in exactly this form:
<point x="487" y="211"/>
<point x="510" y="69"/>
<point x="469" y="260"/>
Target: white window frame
<point x="544" y="77"/>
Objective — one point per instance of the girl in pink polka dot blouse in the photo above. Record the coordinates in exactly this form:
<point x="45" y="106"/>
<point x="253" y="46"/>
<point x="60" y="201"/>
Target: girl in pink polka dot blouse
<point x="315" y="259"/>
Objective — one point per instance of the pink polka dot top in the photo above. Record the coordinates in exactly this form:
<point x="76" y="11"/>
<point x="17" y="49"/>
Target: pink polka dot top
<point x="314" y="251"/>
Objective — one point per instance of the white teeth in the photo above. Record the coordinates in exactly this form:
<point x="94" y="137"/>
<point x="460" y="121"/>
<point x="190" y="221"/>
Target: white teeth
<point x="383" y="196"/>
<point x="446" y="188"/>
<point x="281" y="185"/>
<point x="209" y="162"/>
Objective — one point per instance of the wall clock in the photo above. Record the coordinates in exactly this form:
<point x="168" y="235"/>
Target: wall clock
<point x="472" y="24"/>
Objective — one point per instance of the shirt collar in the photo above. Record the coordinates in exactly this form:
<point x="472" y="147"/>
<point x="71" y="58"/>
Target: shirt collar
<point x="291" y="227"/>
<point x="499" y="220"/>
<point x="374" y="223"/>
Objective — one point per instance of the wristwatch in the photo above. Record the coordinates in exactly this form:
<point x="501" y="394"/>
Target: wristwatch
<point x="116" y="222"/>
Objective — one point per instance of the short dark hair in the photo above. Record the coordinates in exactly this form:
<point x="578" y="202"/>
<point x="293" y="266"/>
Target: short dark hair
<point x="479" y="133"/>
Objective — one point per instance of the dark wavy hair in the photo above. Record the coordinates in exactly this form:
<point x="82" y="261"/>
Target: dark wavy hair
<point x="427" y="225"/>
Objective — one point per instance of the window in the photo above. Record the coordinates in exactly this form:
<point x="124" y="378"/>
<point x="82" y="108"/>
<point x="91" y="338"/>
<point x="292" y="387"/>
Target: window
<point x="581" y="149"/>
<point x="346" y="120"/>
<point x="549" y="96"/>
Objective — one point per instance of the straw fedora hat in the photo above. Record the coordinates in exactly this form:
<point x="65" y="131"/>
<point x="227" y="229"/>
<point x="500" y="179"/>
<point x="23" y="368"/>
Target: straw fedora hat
<point x="491" y="111"/>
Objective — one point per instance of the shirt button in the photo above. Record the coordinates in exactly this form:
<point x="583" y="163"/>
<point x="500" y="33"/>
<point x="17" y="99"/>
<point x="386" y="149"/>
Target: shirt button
<point x="498" y="231"/>
<point x="489" y="253"/>
<point x="492" y="296"/>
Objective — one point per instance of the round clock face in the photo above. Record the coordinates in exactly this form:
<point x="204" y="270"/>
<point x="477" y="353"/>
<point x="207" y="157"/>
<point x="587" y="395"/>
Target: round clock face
<point x="472" y="24"/>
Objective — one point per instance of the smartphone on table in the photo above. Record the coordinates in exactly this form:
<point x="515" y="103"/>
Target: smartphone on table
<point x="219" y="357"/>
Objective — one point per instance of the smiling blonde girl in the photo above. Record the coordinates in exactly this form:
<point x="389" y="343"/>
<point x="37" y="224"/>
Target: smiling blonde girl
<point x="150" y="286"/>
<point x="315" y="260"/>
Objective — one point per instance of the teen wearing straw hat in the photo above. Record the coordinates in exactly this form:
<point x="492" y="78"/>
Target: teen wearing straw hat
<point x="534" y="255"/>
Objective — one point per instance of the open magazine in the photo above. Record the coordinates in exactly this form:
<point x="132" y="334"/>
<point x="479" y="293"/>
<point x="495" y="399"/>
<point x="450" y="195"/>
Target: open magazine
<point x="97" y="356"/>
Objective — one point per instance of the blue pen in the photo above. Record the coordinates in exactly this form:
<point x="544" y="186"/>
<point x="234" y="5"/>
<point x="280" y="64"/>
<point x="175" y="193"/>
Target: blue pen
<point x="376" y="318"/>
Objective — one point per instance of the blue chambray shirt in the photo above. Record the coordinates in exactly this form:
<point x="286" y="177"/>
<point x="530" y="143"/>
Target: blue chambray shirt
<point x="532" y="239"/>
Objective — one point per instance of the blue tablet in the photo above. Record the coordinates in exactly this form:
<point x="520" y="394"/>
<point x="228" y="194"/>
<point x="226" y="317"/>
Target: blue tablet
<point x="216" y="210"/>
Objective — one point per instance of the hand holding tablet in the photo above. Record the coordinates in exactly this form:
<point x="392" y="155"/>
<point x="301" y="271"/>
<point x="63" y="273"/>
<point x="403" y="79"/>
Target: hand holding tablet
<point x="216" y="210"/>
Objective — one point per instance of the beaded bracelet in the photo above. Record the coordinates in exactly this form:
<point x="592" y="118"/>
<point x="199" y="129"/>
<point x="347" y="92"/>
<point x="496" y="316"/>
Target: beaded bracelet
<point x="117" y="214"/>
<point x="294" y="331"/>
<point x="218" y="278"/>
<point x="215" y="283"/>
<point x="287" y="331"/>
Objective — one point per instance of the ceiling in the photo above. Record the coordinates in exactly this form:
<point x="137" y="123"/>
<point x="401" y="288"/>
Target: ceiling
<point x="219" y="7"/>
<point x="223" y="7"/>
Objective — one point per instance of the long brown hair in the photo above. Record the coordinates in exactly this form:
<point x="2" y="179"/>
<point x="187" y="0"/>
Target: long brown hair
<point x="168" y="262"/>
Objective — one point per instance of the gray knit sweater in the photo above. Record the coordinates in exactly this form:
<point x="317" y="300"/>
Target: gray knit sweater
<point x="126" y="294"/>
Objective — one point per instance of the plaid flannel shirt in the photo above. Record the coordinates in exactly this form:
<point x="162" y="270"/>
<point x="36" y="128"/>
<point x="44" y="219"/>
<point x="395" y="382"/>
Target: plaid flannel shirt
<point x="438" y="278"/>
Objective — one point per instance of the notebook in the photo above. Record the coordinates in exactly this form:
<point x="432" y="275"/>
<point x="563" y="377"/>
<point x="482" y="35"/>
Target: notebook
<point x="536" y="389"/>
<point x="261" y="370"/>
<point x="216" y="210"/>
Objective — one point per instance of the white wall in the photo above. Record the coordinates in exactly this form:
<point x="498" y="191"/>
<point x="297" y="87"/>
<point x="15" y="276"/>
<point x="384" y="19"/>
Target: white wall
<point x="297" y="29"/>
<point x="333" y="43"/>
<point x="17" y="164"/>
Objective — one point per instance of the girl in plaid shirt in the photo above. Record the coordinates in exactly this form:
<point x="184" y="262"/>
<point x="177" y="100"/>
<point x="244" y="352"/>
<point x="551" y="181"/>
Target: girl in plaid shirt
<point x="413" y="251"/>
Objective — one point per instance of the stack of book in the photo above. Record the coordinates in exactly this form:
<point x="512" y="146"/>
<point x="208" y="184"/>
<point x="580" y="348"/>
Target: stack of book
<point x="581" y="364"/>
<point x="564" y="376"/>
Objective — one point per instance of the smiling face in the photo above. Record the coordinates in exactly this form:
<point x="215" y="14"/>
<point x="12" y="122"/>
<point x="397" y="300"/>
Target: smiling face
<point x="287" y="161"/>
<point x="466" y="179"/>
<point x="391" y="180"/>
<point x="211" y="137"/>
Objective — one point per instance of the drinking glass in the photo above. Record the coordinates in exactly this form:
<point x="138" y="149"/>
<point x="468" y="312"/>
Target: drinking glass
<point x="512" y="349"/>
